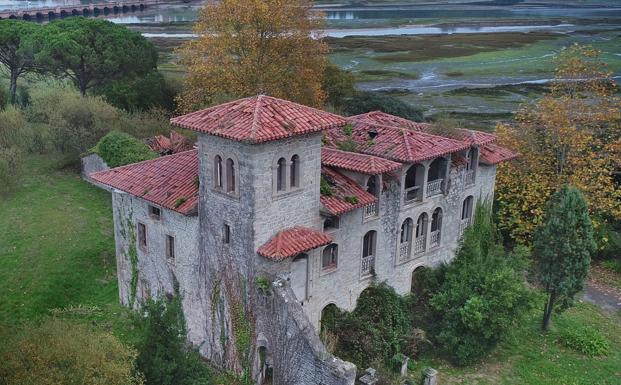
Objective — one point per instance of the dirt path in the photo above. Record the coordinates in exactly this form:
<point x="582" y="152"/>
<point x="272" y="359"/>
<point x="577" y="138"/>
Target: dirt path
<point x="608" y="298"/>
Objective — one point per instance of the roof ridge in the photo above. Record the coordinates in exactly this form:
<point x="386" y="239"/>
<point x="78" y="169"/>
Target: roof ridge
<point x="255" y="118"/>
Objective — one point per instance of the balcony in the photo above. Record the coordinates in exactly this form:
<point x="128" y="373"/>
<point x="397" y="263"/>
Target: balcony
<point x="419" y="244"/>
<point x="371" y="210"/>
<point x="404" y="251"/>
<point x="368" y="265"/>
<point x="463" y="225"/>
<point x="411" y="194"/>
<point x="434" y="187"/>
<point x="434" y="239"/>
<point x="469" y="177"/>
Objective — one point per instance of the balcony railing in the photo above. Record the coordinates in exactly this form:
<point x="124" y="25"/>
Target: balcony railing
<point x="463" y="225"/>
<point x="411" y="194"/>
<point x="419" y="244"/>
<point x="404" y="251"/>
<point x="370" y="210"/>
<point x="434" y="238"/>
<point x="469" y="177"/>
<point x="368" y="265"/>
<point x="434" y="187"/>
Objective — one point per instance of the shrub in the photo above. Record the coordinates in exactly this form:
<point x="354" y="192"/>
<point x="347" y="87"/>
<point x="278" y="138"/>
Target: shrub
<point x="61" y="352"/>
<point x="366" y="101"/>
<point x="376" y="330"/>
<point x="585" y="340"/>
<point x="483" y="295"/>
<point x="12" y="128"/>
<point x="118" y="149"/>
<point x="10" y="165"/>
<point x="162" y="357"/>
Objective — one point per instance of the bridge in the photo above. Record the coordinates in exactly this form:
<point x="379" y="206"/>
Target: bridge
<point x="94" y="9"/>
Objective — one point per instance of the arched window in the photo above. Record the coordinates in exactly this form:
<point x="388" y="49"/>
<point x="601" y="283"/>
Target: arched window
<point x="294" y="174"/>
<point x="405" y="241"/>
<point x="281" y="174"/>
<point x="372" y="186"/>
<point x="217" y="171"/>
<point x="330" y="256"/>
<point x="368" y="252"/>
<point x="436" y="227"/>
<point x="413" y="185"/>
<point x="230" y="176"/>
<point x="420" y="239"/>
<point x="470" y="157"/>
<point x="436" y="176"/>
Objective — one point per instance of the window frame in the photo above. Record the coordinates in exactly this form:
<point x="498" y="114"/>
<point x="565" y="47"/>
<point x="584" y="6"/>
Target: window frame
<point x="369" y="245"/>
<point x="155" y="215"/>
<point x="226" y="234"/>
<point x="333" y="256"/>
<point x="171" y="254"/>
<point x="142" y="236"/>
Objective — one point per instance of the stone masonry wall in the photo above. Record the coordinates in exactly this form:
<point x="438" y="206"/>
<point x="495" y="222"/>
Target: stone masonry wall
<point x="92" y="163"/>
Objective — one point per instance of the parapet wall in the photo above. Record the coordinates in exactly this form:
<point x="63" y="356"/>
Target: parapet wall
<point x="293" y="348"/>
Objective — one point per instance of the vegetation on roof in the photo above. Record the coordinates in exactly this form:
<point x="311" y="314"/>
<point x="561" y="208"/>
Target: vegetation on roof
<point x="119" y="149"/>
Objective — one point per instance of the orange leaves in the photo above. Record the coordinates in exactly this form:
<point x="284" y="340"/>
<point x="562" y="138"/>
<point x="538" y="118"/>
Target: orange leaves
<point x="249" y="47"/>
<point x="571" y="135"/>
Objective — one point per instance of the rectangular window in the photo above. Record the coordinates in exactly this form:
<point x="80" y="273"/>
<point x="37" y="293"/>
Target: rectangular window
<point x="226" y="234"/>
<point x="142" y="235"/>
<point x="155" y="212"/>
<point x="331" y="223"/>
<point x="170" y="247"/>
<point x="329" y="257"/>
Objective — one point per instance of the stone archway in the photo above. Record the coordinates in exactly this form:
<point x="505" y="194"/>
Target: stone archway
<point x="416" y="286"/>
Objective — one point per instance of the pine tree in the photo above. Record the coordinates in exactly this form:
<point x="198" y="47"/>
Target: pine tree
<point x="563" y="246"/>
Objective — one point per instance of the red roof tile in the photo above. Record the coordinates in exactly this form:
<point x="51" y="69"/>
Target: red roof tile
<point x="293" y="241"/>
<point x="493" y="154"/>
<point x="343" y="189"/>
<point x="366" y="164"/>
<point x="169" y="181"/>
<point x="480" y="138"/>
<point x="399" y="144"/>
<point x="258" y="119"/>
<point x="384" y="119"/>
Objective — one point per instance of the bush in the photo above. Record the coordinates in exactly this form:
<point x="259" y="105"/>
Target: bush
<point x="140" y="94"/>
<point x="363" y="102"/>
<point x="483" y="295"/>
<point x="376" y="330"/>
<point x="62" y="352"/>
<point x="75" y="123"/>
<point x="118" y="149"/>
<point x="10" y="165"/>
<point x="163" y="358"/>
<point x="585" y="340"/>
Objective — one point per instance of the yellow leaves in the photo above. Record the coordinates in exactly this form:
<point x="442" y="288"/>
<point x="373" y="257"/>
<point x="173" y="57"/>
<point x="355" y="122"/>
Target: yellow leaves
<point x="570" y="135"/>
<point x="248" y="47"/>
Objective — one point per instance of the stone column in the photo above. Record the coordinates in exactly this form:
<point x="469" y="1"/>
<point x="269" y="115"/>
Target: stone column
<point x="430" y="376"/>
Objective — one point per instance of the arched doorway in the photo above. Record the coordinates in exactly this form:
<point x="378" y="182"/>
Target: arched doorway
<point x="329" y="315"/>
<point x="417" y="287"/>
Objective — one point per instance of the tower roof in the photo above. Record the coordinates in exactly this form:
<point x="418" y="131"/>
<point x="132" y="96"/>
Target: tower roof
<point x="258" y="119"/>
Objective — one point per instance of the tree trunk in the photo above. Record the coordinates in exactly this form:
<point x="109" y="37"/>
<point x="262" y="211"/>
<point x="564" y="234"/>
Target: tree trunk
<point x="13" y="86"/>
<point x="547" y="312"/>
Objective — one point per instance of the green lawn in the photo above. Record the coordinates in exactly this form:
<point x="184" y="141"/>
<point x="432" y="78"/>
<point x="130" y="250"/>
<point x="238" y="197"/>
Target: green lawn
<point x="56" y="246"/>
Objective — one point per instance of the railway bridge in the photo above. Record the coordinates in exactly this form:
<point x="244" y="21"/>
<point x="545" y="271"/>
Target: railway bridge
<point x="94" y="9"/>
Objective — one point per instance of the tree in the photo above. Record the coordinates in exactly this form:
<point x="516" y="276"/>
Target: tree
<point x="60" y="352"/>
<point x="483" y="294"/>
<point x="92" y="52"/>
<point x="367" y="101"/>
<point x="572" y="135"/>
<point x="248" y="47"/>
<point x="17" y="39"/>
<point x="563" y="245"/>
<point x="339" y="85"/>
<point x="139" y="94"/>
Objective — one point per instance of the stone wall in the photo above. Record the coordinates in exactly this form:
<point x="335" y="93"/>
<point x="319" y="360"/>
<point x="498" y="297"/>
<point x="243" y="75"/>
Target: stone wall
<point x="92" y="163"/>
<point x="292" y="346"/>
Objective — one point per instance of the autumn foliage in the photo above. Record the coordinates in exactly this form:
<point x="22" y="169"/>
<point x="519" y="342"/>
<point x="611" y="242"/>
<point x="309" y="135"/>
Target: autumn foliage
<point x="247" y="47"/>
<point x="569" y="136"/>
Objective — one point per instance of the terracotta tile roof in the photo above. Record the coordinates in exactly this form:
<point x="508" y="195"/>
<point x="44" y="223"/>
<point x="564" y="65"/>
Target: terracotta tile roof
<point x="343" y="189"/>
<point x="398" y="144"/>
<point x="366" y="164"/>
<point x="293" y="241"/>
<point x="384" y="119"/>
<point x="169" y="181"/>
<point x="473" y="137"/>
<point x="258" y="119"/>
<point x="169" y="145"/>
<point x="493" y="154"/>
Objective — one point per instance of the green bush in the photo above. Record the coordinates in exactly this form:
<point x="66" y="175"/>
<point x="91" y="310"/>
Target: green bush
<point x="118" y="149"/>
<point x="585" y="340"/>
<point x="10" y="165"/>
<point x="377" y="329"/>
<point x="366" y="101"/>
<point x="60" y="352"/>
<point x="140" y="94"/>
<point x="162" y="357"/>
<point x="483" y="295"/>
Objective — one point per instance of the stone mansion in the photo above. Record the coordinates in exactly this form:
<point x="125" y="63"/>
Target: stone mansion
<point x="319" y="205"/>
